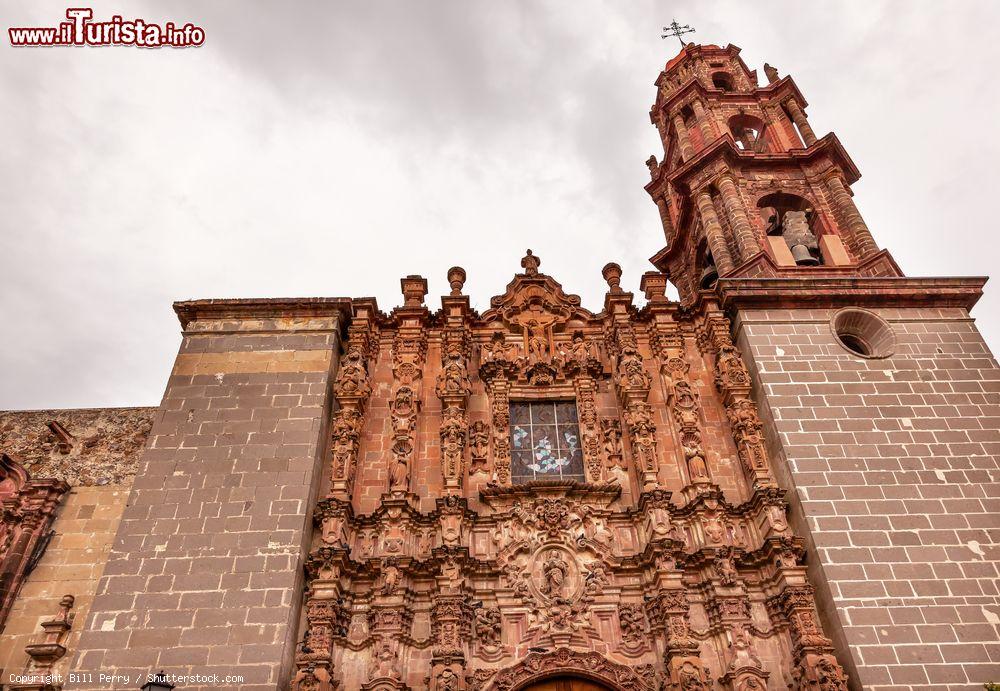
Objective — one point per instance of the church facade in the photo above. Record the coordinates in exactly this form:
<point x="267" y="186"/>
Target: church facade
<point x="786" y="479"/>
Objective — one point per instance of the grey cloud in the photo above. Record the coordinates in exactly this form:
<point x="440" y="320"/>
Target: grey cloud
<point x="329" y="148"/>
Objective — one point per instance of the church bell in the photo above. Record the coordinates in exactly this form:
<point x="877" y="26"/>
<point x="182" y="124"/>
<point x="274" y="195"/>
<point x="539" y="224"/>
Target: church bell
<point x="803" y="257"/>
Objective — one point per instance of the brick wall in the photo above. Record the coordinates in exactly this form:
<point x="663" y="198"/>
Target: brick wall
<point x="894" y="465"/>
<point x="205" y="574"/>
<point x="72" y="565"/>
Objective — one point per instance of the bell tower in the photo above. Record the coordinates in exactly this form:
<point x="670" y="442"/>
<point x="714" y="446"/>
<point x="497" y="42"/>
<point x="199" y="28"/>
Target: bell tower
<point x="879" y="398"/>
<point x="745" y="188"/>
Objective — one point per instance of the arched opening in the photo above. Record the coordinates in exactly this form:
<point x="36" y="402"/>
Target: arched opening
<point x="566" y="684"/>
<point x="748" y="131"/>
<point x="791" y="217"/>
<point x="723" y="80"/>
<point x="709" y="274"/>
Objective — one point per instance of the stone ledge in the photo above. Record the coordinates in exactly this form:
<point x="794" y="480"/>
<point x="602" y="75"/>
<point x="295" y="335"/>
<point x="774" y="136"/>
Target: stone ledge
<point x="805" y="293"/>
<point x="262" y="308"/>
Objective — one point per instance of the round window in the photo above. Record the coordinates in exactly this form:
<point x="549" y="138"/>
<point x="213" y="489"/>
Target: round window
<point x="863" y="333"/>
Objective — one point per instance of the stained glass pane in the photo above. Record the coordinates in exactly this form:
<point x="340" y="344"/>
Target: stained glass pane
<point x="545" y="441"/>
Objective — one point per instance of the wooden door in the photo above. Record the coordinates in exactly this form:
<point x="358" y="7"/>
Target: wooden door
<point x="566" y="684"/>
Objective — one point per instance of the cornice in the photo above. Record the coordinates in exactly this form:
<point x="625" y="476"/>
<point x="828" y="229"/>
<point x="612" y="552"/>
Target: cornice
<point x="821" y="292"/>
<point x="262" y="308"/>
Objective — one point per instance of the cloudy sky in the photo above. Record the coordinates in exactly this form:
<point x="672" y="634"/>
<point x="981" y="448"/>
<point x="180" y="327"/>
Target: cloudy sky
<point x="327" y="149"/>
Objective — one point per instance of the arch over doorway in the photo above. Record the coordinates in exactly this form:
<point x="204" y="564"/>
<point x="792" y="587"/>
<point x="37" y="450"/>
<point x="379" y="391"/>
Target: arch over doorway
<point x="566" y="684"/>
<point x="565" y="665"/>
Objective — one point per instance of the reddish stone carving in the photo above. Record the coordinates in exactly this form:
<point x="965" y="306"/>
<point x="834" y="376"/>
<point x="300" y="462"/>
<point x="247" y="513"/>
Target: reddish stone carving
<point x="538" y="666"/>
<point x="28" y="510"/>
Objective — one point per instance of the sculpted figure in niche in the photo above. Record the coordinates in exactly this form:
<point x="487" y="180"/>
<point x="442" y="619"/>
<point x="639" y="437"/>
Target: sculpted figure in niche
<point x="632" y="623"/>
<point x="725" y="568"/>
<point x="488" y="626"/>
<point x="579" y="349"/>
<point x="479" y="444"/>
<point x="695" y="461"/>
<point x="554" y="573"/>
<point x="455" y="378"/>
<point x="613" y="442"/>
<point x="399" y="477"/>
<point x="447" y="680"/>
<point x="633" y="374"/>
<point x="498" y="350"/>
<point x="390" y="579"/>
<point x="353" y="375"/>
<point x="538" y="342"/>
<point x="596" y="578"/>
<point x="690" y="679"/>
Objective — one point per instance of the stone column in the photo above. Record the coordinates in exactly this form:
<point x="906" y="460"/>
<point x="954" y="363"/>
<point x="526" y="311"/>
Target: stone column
<point x="746" y="240"/>
<point x="687" y="151"/>
<point x="863" y="242"/>
<point x="714" y="234"/>
<point x="704" y="122"/>
<point x="668" y="224"/>
<point x="799" y="118"/>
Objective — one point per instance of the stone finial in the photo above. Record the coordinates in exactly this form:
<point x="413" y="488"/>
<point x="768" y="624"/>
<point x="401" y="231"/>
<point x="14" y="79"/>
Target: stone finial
<point x="414" y="290"/>
<point x="771" y="73"/>
<point x="654" y="285"/>
<point x="654" y="167"/>
<point x="530" y="264"/>
<point x="43" y="655"/>
<point x="613" y="275"/>
<point x="456" y="279"/>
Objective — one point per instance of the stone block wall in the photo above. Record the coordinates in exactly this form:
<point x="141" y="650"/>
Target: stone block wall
<point x="71" y="565"/>
<point x="205" y="574"/>
<point x="894" y="466"/>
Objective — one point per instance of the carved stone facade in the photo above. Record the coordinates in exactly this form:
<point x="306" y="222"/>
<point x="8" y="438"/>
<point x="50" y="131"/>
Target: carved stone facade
<point x="440" y="562"/>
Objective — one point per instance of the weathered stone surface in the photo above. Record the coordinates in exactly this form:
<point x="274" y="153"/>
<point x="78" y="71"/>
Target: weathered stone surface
<point x="99" y="446"/>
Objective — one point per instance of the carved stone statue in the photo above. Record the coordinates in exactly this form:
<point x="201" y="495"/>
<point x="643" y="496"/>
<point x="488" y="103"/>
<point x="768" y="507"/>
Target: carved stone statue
<point x="530" y="264"/>
<point x="554" y="573"/>
<point x="391" y="578"/>
<point x="399" y="477"/>
<point x="725" y="568"/>
<point x="479" y="446"/>
<point x="488" y="626"/>
<point x="632" y="622"/>
<point x="447" y="680"/>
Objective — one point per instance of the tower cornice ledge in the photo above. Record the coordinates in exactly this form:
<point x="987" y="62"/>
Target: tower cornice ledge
<point x="824" y="292"/>
<point x="725" y="147"/>
<point x="263" y="308"/>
